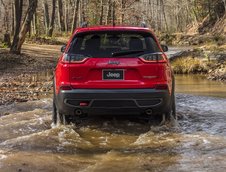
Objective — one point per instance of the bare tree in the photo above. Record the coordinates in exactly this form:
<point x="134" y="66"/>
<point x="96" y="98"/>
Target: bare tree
<point x="61" y="16"/>
<point x="224" y="1"/>
<point x="46" y="15"/>
<point x="51" y="28"/>
<point x="75" y="18"/>
<point x="101" y="12"/>
<point x="26" y="26"/>
<point x="6" y="39"/>
<point x="18" y="5"/>
<point x="161" y="15"/>
<point x="66" y="18"/>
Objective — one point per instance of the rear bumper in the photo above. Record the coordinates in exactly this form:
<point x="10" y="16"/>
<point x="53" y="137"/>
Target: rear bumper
<point x="113" y="101"/>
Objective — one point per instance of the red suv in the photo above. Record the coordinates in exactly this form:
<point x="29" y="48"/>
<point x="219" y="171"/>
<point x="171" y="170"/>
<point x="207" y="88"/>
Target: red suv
<point x="113" y="71"/>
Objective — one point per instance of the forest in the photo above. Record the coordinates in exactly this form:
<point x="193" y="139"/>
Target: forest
<point x="172" y="102"/>
<point x="50" y="18"/>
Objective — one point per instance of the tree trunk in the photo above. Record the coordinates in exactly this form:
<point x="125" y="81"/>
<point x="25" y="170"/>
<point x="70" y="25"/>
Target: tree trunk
<point x="83" y="12"/>
<point x="75" y="18"/>
<point x="109" y="16"/>
<point x="35" y="25"/>
<point x="123" y="11"/>
<point x="46" y="15"/>
<point x="66" y="9"/>
<point x="13" y="19"/>
<point x="26" y="25"/>
<point x="113" y="14"/>
<point x="51" y="28"/>
<point x="164" y="15"/>
<point x="6" y="39"/>
<point x="61" y="16"/>
<point x="6" y="16"/>
<point x="18" y="4"/>
<point x="224" y="1"/>
<point x="101" y="12"/>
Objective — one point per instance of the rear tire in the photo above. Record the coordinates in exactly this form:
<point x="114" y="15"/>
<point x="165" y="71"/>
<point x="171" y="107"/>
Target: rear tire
<point x="58" y="118"/>
<point x="54" y="114"/>
<point x="172" y="110"/>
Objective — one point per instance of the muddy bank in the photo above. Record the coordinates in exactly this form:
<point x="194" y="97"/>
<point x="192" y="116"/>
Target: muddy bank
<point x="206" y="54"/>
<point x="27" y="76"/>
<point x="206" y="60"/>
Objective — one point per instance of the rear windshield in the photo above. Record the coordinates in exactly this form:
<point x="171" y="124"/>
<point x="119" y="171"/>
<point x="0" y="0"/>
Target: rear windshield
<point x="106" y="44"/>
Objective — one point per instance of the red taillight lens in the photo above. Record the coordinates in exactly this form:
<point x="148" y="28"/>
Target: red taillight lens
<point x="74" y="58"/>
<point x="153" y="57"/>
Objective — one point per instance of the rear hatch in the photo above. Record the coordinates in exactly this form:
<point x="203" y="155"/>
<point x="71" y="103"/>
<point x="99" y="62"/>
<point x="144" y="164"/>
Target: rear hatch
<point x="115" y="60"/>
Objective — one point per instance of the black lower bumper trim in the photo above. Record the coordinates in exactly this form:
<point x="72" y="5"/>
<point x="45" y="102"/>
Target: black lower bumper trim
<point x="113" y="101"/>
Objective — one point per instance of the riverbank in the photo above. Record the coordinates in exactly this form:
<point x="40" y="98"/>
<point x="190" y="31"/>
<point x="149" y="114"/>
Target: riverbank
<point x="208" y="59"/>
<point x="24" y="77"/>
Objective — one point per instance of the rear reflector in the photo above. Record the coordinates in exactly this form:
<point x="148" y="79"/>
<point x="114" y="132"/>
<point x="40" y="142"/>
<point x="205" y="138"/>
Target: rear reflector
<point x="84" y="104"/>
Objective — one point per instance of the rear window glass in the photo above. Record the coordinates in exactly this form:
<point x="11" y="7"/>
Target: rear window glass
<point x="104" y="44"/>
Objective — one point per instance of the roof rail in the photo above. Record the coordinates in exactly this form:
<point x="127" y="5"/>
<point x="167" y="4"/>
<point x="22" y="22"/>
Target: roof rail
<point x="143" y="24"/>
<point x="84" y="24"/>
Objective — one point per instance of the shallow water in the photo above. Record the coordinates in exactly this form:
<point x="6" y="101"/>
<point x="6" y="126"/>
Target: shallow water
<point x="196" y="143"/>
<point x="28" y="141"/>
<point x="198" y="85"/>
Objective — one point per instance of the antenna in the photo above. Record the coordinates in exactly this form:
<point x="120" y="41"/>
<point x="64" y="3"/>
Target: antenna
<point x="143" y="24"/>
<point x="84" y="24"/>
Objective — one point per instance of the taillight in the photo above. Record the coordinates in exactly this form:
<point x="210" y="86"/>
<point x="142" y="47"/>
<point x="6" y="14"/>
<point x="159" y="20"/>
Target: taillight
<point x="153" y="57"/>
<point x="74" y="58"/>
<point x="66" y="58"/>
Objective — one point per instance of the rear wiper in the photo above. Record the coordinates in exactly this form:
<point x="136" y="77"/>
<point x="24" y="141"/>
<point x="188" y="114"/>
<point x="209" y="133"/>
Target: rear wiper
<point x="123" y="53"/>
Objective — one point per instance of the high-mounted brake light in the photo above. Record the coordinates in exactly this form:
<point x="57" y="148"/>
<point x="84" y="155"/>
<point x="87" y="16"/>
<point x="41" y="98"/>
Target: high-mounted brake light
<point x="74" y="58"/>
<point x="153" y="57"/>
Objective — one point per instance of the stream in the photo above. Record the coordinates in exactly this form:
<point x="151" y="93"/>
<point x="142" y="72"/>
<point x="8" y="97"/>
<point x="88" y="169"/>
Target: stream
<point x="29" y="142"/>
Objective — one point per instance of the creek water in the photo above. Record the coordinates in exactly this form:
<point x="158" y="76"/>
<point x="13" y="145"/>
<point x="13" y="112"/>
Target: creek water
<point x="28" y="141"/>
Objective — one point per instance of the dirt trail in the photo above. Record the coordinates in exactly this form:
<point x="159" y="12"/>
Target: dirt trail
<point x="44" y="51"/>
